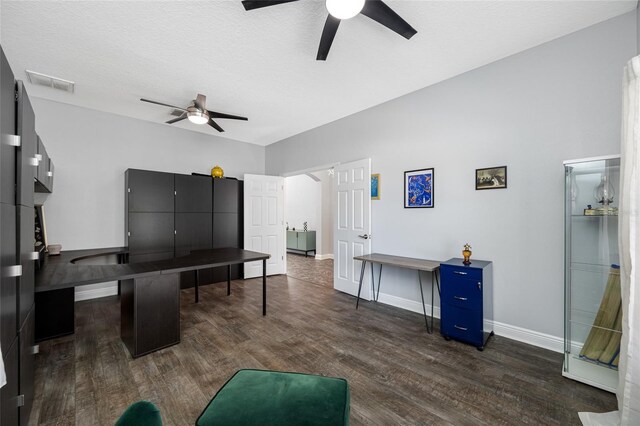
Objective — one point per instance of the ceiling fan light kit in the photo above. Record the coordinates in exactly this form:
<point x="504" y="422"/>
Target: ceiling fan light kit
<point x="196" y="116"/>
<point x="197" y="113"/>
<point x="344" y="9"/>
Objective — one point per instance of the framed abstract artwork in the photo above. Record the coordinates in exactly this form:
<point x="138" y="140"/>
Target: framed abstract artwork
<point x="418" y="189"/>
<point x="375" y="186"/>
<point x="491" y="178"/>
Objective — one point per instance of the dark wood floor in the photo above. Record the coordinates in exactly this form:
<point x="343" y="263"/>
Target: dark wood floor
<point x="398" y="373"/>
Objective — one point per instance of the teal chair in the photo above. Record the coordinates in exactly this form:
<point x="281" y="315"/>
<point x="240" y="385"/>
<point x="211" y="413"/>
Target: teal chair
<point x="141" y="413"/>
<point x="274" y="398"/>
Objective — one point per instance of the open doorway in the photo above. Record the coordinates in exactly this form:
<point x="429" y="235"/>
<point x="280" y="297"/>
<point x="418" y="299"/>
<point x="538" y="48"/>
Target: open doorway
<point x="309" y="216"/>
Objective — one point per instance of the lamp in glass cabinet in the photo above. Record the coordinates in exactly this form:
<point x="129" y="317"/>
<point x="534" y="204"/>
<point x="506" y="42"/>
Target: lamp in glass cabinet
<point x="604" y="193"/>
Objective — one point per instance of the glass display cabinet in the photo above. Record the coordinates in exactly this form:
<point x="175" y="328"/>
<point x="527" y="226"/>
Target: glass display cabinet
<point x="592" y="273"/>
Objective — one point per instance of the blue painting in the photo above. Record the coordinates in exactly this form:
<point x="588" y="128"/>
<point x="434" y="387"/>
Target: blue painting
<point x="375" y="186"/>
<point x="418" y="188"/>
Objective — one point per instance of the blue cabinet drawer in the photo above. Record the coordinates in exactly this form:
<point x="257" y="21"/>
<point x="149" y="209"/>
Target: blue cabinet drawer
<point x="452" y="273"/>
<point x="462" y="324"/>
<point x="463" y="293"/>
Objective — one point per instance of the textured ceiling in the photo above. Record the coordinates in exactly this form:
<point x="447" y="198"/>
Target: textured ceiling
<point x="261" y="64"/>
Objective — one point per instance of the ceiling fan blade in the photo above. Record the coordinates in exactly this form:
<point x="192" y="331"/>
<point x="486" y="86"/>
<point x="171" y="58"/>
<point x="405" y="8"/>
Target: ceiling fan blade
<point x="201" y="102"/>
<point x="381" y="13"/>
<point x="175" y="120"/>
<point x="215" y="125"/>
<point x="214" y="114"/>
<point x="160" y="103"/>
<point x="257" y="4"/>
<point x="328" y="33"/>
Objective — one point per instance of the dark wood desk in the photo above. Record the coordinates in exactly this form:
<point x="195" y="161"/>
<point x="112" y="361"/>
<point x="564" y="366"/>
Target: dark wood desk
<point x="419" y="265"/>
<point x="150" y="298"/>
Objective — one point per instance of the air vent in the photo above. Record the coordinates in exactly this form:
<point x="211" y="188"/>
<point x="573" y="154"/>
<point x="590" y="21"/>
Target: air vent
<point x="49" y="81"/>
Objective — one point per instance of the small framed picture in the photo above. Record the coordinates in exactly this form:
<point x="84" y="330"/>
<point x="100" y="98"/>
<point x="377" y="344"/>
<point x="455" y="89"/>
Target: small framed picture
<point x="418" y="189"/>
<point x="491" y="178"/>
<point x="375" y="186"/>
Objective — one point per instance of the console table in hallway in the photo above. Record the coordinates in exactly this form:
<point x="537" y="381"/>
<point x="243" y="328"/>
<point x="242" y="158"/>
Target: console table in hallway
<point x="418" y="265"/>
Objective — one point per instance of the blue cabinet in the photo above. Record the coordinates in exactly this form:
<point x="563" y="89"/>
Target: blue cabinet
<point x="467" y="301"/>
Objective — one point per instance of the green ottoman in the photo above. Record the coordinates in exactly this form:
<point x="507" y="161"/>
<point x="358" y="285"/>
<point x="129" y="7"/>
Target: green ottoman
<point x="142" y="413"/>
<point x="269" y="398"/>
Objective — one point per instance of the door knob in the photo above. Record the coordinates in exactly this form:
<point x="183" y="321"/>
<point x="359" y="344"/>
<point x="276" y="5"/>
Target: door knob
<point x="365" y="236"/>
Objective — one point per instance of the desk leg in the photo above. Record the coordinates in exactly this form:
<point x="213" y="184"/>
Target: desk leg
<point x="196" y="286"/>
<point x="264" y="287"/>
<point x="437" y="273"/>
<point x="364" y="264"/>
<point x="228" y="280"/>
<point x="424" y="309"/>
<point x="433" y="280"/>
<point x="379" y="279"/>
<point x="373" y="284"/>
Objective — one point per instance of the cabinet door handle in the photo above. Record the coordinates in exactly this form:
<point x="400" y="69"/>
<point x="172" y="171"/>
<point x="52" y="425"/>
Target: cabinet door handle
<point x="460" y="298"/>
<point x="459" y="273"/>
<point x="460" y="328"/>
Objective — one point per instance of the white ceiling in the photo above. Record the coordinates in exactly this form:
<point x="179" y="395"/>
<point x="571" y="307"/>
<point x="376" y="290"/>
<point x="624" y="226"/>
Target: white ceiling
<point x="261" y="64"/>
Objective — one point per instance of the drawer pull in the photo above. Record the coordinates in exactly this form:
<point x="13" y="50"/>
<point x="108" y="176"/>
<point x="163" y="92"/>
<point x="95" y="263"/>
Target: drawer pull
<point x="460" y="328"/>
<point x="459" y="273"/>
<point x="460" y="298"/>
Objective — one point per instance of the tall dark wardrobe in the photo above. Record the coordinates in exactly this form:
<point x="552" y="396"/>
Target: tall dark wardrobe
<point x="22" y="168"/>
<point x="169" y="214"/>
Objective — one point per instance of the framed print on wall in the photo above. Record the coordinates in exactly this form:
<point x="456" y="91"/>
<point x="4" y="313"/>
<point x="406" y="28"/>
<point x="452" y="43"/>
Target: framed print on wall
<point x="491" y="178"/>
<point x="418" y="189"/>
<point x="375" y="186"/>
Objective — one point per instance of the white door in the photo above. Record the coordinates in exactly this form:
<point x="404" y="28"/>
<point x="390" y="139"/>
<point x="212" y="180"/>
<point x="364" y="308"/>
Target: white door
<point x="352" y="183"/>
<point x="264" y="223"/>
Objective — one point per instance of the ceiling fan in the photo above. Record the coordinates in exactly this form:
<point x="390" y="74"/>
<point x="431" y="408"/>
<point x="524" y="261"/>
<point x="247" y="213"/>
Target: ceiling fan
<point x="345" y="9"/>
<point x="197" y="113"/>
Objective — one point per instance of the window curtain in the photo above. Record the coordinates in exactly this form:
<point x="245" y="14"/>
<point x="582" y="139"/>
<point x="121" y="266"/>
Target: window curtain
<point x="628" y="393"/>
<point x="629" y="240"/>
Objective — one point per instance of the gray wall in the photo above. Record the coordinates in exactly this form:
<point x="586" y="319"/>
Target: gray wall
<point x="638" y="29"/>
<point x="561" y="100"/>
<point x="91" y="151"/>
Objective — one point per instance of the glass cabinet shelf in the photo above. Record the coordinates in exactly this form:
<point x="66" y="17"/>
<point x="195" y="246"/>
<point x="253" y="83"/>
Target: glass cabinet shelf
<point x="592" y="275"/>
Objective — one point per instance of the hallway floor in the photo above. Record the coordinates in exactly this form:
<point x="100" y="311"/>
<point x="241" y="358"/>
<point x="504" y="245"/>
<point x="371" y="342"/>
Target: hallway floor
<point x="309" y="269"/>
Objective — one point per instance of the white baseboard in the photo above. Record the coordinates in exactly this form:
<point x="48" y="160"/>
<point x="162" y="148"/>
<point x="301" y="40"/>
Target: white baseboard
<point x="513" y="332"/>
<point x="409" y="305"/>
<point x="324" y="256"/>
<point x="95" y="293"/>
<point x="535" y="338"/>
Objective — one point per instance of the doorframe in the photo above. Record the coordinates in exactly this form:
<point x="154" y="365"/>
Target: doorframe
<point x="298" y="173"/>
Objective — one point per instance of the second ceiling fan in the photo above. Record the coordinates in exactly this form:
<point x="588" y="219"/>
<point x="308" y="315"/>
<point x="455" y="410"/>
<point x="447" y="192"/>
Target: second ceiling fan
<point x="197" y="113"/>
<point x="345" y="9"/>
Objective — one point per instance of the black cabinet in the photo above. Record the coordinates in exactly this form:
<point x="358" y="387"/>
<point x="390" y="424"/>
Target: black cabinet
<point x="143" y="327"/>
<point x="44" y="171"/>
<point x="17" y="171"/>
<point x="7" y="129"/>
<point x="193" y="232"/>
<point x="8" y="258"/>
<point x="193" y="194"/>
<point x="150" y="232"/>
<point x="150" y="227"/>
<point x="9" y="392"/>
<point x="169" y="214"/>
<point x="27" y="367"/>
<point x="227" y="222"/>
<point x="55" y="313"/>
<point x="149" y="191"/>
<point x="26" y="161"/>
<point x="226" y="195"/>
<point x="26" y="223"/>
